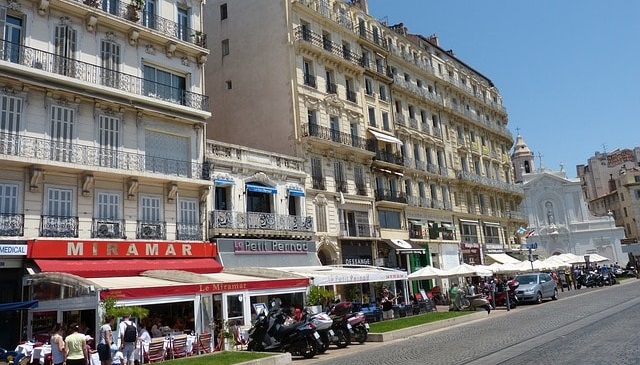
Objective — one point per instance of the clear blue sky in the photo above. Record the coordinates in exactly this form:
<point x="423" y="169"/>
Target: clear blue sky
<point x="568" y="70"/>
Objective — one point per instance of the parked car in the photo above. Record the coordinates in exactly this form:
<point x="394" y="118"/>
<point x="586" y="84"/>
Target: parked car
<point x="535" y="287"/>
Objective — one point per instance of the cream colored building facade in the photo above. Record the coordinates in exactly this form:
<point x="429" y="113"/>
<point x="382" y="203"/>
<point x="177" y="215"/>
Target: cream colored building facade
<point x="102" y="124"/>
<point x="398" y="136"/>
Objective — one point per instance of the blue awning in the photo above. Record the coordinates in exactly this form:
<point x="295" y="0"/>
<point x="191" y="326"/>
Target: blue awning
<point x="19" y="305"/>
<point x="261" y="189"/>
<point x="220" y="182"/>
<point x="296" y="192"/>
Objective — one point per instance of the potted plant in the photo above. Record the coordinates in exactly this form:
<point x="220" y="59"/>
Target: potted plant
<point x="134" y="8"/>
<point x="110" y="309"/>
<point x="199" y="38"/>
<point x="319" y="297"/>
<point x="228" y="335"/>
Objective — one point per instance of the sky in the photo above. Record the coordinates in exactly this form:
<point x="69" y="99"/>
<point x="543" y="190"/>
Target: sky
<point x="568" y="70"/>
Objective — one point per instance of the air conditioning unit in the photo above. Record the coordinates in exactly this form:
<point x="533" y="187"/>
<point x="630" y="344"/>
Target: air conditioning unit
<point x="149" y="231"/>
<point x="108" y="230"/>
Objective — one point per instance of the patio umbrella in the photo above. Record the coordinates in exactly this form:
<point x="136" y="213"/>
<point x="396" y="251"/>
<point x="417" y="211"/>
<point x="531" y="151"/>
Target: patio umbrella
<point x="571" y="258"/>
<point x="466" y="270"/>
<point x="427" y="272"/>
<point x="594" y="257"/>
<point x="555" y="262"/>
<point x="525" y="266"/>
<point x="505" y="268"/>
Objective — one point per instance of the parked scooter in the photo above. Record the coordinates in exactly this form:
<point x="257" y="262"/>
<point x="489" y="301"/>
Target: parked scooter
<point x="277" y="332"/>
<point x="323" y="324"/>
<point x="501" y="296"/>
<point x="588" y="280"/>
<point x="466" y="302"/>
<point x="341" y="330"/>
<point x="359" y="325"/>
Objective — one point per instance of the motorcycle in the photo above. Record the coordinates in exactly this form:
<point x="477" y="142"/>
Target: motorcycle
<point x="341" y="330"/>
<point x="501" y="296"/>
<point x="588" y="280"/>
<point x="323" y="324"/>
<point x="466" y="302"/>
<point x="359" y="325"/>
<point x="277" y="332"/>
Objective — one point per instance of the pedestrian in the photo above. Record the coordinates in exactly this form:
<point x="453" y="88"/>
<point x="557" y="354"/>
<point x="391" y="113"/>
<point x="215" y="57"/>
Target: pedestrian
<point x="57" y="345"/>
<point x="454" y="297"/>
<point x="128" y="339"/>
<point x="105" y="338"/>
<point x="567" y="278"/>
<point x="387" y="304"/>
<point x="76" y="347"/>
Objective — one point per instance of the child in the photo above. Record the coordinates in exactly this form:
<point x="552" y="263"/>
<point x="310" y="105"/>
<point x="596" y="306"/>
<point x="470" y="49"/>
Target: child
<point x="117" y="356"/>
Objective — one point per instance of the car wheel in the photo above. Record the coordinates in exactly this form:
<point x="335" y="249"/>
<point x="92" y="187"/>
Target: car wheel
<point x="555" y="294"/>
<point x="539" y="298"/>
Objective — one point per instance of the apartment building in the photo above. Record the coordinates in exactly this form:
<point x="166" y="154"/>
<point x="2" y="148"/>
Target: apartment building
<point x="101" y="139"/>
<point x="406" y="145"/>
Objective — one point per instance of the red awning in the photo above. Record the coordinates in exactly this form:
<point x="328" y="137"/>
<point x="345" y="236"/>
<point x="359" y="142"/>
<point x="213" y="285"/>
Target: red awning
<point x="127" y="267"/>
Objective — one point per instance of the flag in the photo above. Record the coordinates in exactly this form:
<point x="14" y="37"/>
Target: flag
<point x="521" y="230"/>
<point x="531" y="233"/>
<point x="341" y="198"/>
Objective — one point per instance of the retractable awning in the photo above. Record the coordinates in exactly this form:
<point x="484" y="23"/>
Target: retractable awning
<point x="404" y="246"/>
<point x="385" y="137"/>
<point x="352" y="274"/>
<point x="296" y="192"/>
<point x="261" y="189"/>
<point x="30" y="304"/>
<point x="222" y="182"/>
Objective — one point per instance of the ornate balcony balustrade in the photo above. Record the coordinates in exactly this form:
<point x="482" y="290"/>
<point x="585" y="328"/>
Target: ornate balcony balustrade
<point x="230" y="219"/>
<point x="307" y="35"/>
<point x="127" y="11"/>
<point x="45" y="62"/>
<point x="81" y="155"/>
<point x="11" y="224"/>
<point x="58" y="226"/>
<point x="189" y="231"/>
<point x="394" y="158"/>
<point x="329" y="134"/>
<point x="373" y="37"/>
<point x="318" y="183"/>
<point x="483" y="180"/>
<point x="359" y="230"/>
<point x="361" y="189"/>
<point x="107" y="228"/>
<point x="151" y="230"/>
<point x="342" y="186"/>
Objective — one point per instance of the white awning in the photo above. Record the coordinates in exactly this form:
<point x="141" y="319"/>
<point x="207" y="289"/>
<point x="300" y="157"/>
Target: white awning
<point x="351" y="274"/>
<point x="503" y="258"/>
<point x="385" y="137"/>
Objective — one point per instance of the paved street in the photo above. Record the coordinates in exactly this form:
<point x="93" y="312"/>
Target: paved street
<point x="587" y="326"/>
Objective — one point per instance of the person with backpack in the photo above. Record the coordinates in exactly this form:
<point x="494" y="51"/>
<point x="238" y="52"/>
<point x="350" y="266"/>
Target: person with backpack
<point x="128" y="339"/>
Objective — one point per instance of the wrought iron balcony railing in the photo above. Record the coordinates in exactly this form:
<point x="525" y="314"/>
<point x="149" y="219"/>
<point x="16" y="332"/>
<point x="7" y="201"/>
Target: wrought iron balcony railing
<point x="361" y="189"/>
<point x="310" y="80"/>
<point x="11" y="224"/>
<point x="81" y="155"/>
<point x="342" y="186"/>
<point x="230" y="219"/>
<point x="394" y="158"/>
<point x="107" y="228"/>
<point x="128" y="11"/>
<point x="151" y="230"/>
<point x="329" y="134"/>
<point x="45" y="62"/>
<point x="359" y="230"/>
<point x="189" y="231"/>
<point x="318" y="183"/>
<point x="305" y="34"/>
<point x="352" y="96"/>
<point x="390" y="195"/>
<point x="58" y="226"/>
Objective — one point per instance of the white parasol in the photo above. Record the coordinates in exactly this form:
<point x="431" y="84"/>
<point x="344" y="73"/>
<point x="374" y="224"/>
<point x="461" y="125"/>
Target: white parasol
<point x="427" y="272"/>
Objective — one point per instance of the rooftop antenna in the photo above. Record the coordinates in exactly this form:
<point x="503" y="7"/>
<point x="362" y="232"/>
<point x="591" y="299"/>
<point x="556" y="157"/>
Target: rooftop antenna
<point x="518" y="130"/>
<point x="540" y="156"/>
<point x="604" y="147"/>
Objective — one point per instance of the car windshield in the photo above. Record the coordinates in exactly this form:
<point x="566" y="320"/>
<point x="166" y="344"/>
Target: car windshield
<point x="527" y="279"/>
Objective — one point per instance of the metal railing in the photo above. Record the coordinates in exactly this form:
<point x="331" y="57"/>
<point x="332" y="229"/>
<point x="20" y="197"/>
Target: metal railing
<point x="394" y="158"/>
<point x="46" y="62"/>
<point x="318" y="183"/>
<point x="107" y="228"/>
<point x="11" y="224"/>
<point x="58" y="226"/>
<point x="307" y="35"/>
<point x="230" y="219"/>
<point x="329" y="134"/>
<point x="130" y="12"/>
<point x="483" y="180"/>
<point x="342" y="186"/>
<point x="76" y="154"/>
<point x="151" y="230"/>
<point x="359" y="230"/>
<point x="188" y="231"/>
<point x="392" y="196"/>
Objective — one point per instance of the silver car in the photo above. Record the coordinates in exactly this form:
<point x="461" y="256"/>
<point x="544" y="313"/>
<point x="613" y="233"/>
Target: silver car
<point x="535" y="287"/>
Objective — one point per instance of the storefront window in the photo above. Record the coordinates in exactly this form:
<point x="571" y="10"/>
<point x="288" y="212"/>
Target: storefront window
<point x="47" y="290"/>
<point x="235" y="309"/>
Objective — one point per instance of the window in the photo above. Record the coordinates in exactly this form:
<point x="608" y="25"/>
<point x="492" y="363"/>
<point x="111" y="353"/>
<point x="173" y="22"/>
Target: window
<point x="308" y="74"/>
<point x="221" y="198"/>
<point x="407" y="187"/>
<point x="110" y="60"/>
<point x="372" y="116"/>
<point x="110" y="6"/>
<point x="351" y="95"/>
<point x="109" y="140"/>
<point x="321" y="218"/>
<point x="225" y="47"/>
<point x="385" y="121"/>
<point x="108" y="205"/>
<point x="469" y="232"/>
<point x="317" y="178"/>
<point x="59" y="202"/>
<point x="188" y="212"/>
<point x="65" y="41"/>
<point x="149" y="14"/>
<point x="368" y="86"/>
<point x="12" y="37"/>
<point x="358" y="173"/>
<point x="9" y="198"/>
<point x="383" y="93"/>
<point x="491" y="234"/>
<point x="164" y="84"/>
<point x="183" y="24"/>
<point x="223" y="12"/>
<point x="338" y="173"/>
<point x="312" y="116"/>
<point x="334" y="126"/>
<point x="389" y="219"/>
<point x="330" y="80"/>
<point x="258" y="201"/>
<point x="228" y="85"/>
<point x="150" y="209"/>
<point x="10" y="115"/>
<point x="61" y="133"/>
<point x="354" y="135"/>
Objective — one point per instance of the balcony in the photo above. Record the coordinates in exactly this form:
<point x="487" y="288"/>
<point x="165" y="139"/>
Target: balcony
<point x="252" y="221"/>
<point x="361" y="189"/>
<point x="127" y="11"/>
<point x="151" y="230"/>
<point x="372" y="37"/>
<point x="107" y="228"/>
<point x="310" y="80"/>
<point x="391" y="196"/>
<point x="332" y="88"/>
<point x="352" y="96"/>
<point x="318" y="183"/>
<point x="58" y="226"/>
<point x="332" y="135"/>
<point x="49" y="63"/>
<point x="359" y="230"/>
<point x="483" y="180"/>
<point x="81" y="155"/>
<point x="391" y="157"/>
<point x="342" y="186"/>
<point x="11" y="224"/>
<point x="189" y="231"/>
<point x="317" y="41"/>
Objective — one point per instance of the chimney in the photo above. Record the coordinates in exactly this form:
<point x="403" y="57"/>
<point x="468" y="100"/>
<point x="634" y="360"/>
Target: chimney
<point x="434" y="39"/>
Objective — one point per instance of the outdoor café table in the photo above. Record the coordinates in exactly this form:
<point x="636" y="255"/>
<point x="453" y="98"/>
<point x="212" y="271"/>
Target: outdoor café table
<point x="39" y="353"/>
<point x="25" y="348"/>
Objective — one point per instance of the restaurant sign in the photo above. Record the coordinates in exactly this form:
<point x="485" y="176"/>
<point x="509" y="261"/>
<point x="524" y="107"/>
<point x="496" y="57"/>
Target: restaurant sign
<point x="261" y="246"/>
<point x="70" y="248"/>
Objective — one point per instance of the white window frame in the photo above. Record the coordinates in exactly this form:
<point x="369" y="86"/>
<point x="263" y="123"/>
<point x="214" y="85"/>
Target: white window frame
<point x="142" y="208"/>
<point x="72" y="201"/>
<point x="98" y="204"/>
<point x="11" y="111"/>
<point x="192" y="210"/>
<point x="16" y="200"/>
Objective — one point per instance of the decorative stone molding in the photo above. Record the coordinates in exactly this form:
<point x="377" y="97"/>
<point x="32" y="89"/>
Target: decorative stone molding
<point x="90" y="22"/>
<point x="170" y="49"/>
<point x="202" y="58"/>
<point x="172" y="192"/>
<point x="185" y="61"/>
<point x="87" y="184"/>
<point x="36" y="177"/>
<point x="14" y="5"/>
<point x="132" y="189"/>
<point x="134" y="34"/>
<point x="204" y="194"/>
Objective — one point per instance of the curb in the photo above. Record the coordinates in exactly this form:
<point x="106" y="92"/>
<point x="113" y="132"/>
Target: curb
<point x="276" y="359"/>
<point x="420" y="329"/>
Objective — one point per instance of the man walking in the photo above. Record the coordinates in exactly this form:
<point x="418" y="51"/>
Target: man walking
<point x="128" y="339"/>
